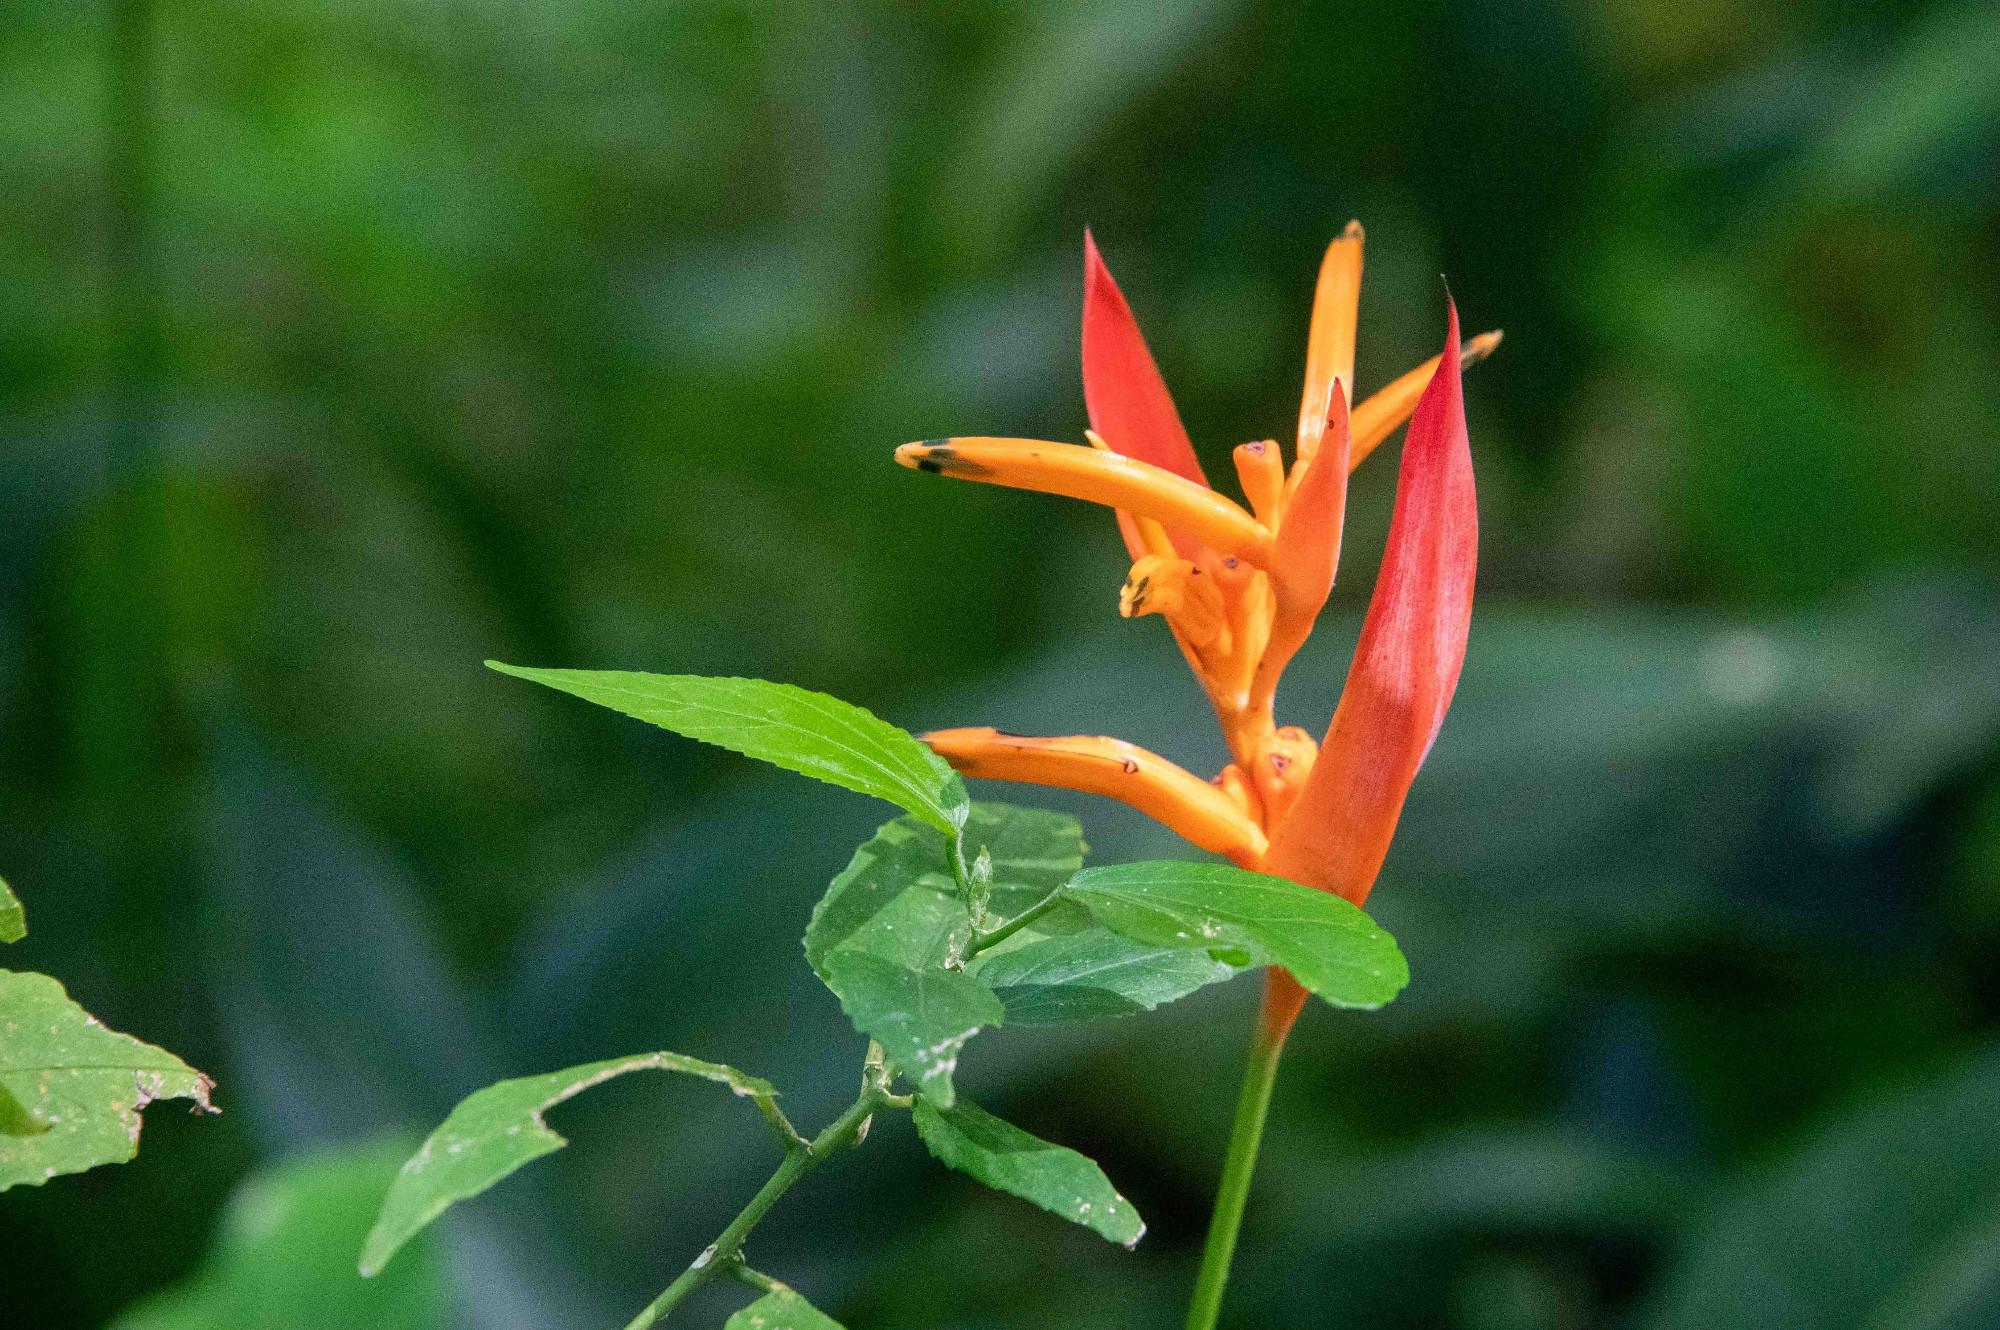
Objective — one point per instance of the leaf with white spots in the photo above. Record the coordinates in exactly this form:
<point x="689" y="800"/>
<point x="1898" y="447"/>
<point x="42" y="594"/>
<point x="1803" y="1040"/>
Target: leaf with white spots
<point x="1245" y="918"/>
<point x="922" y="1018"/>
<point x="71" y="1091"/>
<point x="1001" y="1155"/>
<point x="1090" y="975"/>
<point x="781" y="1309"/>
<point x="498" y="1129"/>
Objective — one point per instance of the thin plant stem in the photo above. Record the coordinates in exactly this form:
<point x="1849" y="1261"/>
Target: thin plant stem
<point x="725" y="1253"/>
<point x="1282" y="999"/>
<point x="1014" y="925"/>
<point x="756" y="1279"/>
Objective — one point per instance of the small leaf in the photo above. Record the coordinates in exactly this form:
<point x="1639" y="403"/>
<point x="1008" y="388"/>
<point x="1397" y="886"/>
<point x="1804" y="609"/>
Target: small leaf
<point x="810" y="733"/>
<point x="1004" y="1157"/>
<point x="921" y="1017"/>
<point x="74" y="1089"/>
<point x="1091" y="975"/>
<point x="496" y="1130"/>
<point x="13" y="919"/>
<point x="1330" y="946"/>
<point x="781" y="1309"/>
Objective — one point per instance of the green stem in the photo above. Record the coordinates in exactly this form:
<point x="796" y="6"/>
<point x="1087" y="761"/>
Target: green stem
<point x="1253" y="1103"/>
<point x="1014" y="925"/>
<point x="725" y="1253"/>
<point x="756" y="1279"/>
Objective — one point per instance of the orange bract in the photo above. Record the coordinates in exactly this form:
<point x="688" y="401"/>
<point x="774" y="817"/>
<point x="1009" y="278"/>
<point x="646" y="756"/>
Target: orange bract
<point x="1240" y="588"/>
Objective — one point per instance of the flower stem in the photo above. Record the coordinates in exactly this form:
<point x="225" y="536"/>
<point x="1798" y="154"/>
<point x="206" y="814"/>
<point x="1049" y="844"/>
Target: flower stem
<point x="725" y="1253"/>
<point x="1282" y="1000"/>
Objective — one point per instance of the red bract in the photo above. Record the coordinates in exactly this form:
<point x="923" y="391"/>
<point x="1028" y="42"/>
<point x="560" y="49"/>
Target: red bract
<point x="1406" y="665"/>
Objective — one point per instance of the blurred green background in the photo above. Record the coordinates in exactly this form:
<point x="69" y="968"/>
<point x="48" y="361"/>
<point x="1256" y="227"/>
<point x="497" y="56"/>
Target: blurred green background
<point x="346" y="343"/>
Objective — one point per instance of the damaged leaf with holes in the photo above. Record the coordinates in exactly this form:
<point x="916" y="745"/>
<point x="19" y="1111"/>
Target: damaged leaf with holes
<point x="497" y="1130"/>
<point x="71" y="1091"/>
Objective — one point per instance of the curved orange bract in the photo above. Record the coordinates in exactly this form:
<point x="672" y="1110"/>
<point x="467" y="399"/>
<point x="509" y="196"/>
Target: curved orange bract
<point x="1170" y="795"/>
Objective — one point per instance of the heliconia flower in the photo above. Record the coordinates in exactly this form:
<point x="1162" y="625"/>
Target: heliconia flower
<point x="1241" y="587"/>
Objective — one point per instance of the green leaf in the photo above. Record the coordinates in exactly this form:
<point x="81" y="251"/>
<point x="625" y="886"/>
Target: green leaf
<point x="497" y="1130"/>
<point x="282" y="1257"/>
<point x="1034" y="851"/>
<point x="1329" y="945"/>
<point x="1001" y="1155"/>
<point x="887" y="935"/>
<point x="896" y="899"/>
<point x="810" y="733"/>
<point x="921" y="1017"/>
<point x="1090" y="975"/>
<point x="13" y="919"/>
<point x="781" y="1309"/>
<point x="74" y="1089"/>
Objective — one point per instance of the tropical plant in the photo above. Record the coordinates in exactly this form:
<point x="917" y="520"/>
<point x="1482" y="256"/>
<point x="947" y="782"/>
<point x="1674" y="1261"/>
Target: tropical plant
<point x="959" y="916"/>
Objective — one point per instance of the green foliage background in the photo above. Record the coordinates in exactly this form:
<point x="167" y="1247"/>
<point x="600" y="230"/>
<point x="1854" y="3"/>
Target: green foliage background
<point x="347" y="343"/>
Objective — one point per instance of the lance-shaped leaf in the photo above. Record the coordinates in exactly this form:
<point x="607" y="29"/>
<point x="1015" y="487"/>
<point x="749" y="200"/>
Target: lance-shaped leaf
<point x="807" y="732"/>
<point x="71" y="1091"/>
<point x="781" y="1309"/>
<point x="1407" y="663"/>
<point x="1001" y="1155"/>
<point x="1090" y="975"/>
<point x="1247" y="918"/>
<point x="496" y="1130"/>
<point x="13" y="919"/>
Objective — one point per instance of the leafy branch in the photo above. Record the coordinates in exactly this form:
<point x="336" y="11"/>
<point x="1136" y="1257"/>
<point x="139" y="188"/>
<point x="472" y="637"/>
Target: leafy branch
<point x="902" y="938"/>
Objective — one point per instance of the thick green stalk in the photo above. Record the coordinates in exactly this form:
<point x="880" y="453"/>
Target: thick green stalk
<point x="1253" y="1103"/>
<point x="724" y="1253"/>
